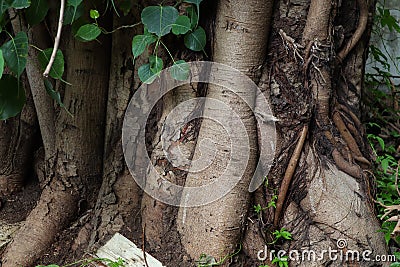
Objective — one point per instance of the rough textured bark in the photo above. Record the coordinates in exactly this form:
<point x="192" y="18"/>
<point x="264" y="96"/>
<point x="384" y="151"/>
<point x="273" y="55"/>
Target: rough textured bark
<point x="18" y="138"/>
<point x="78" y="162"/>
<point x="118" y="203"/>
<point x="159" y="219"/>
<point x="215" y="229"/>
<point x="306" y="87"/>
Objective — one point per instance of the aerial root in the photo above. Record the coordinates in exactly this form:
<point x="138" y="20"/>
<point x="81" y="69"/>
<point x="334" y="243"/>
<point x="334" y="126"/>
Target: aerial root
<point x="349" y="139"/>
<point x="289" y="174"/>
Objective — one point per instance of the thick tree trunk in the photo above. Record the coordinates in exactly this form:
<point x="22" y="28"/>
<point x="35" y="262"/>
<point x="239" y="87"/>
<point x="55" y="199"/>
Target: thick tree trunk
<point x="118" y="203"/>
<point x="79" y="145"/>
<point x="215" y="229"/>
<point x="313" y="81"/>
<point x="328" y="199"/>
<point x="18" y="138"/>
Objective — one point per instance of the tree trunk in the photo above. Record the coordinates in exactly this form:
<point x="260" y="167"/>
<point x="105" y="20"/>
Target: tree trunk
<point x="215" y="229"/>
<point x="328" y="199"/>
<point x="77" y="167"/>
<point x="310" y="68"/>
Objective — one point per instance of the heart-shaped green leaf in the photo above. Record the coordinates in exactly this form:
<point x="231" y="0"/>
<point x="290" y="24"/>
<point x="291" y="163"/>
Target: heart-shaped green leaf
<point x="180" y="70"/>
<point x="88" y="32"/>
<point x="181" y="26"/>
<point x="145" y="74"/>
<point x="12" y="97"/>
<point x="159" y="19"/>
<point x="4" y="5"/>
<point x="15" y="53"/>
<point x="57" y="69"/>
<point x="194" y="18"/>
<point x="37" y="11"/>
<point x="196" y="40"/>
<point x="1" y="63"/>
<point x="74" y="3"/>
<point x="156" y="64"/>
<point x="196" y="2"/>
<point x="140" y="42"/>
<point x="94" y="14"/>
<point x="71" y="14"/>
<point x="19" y="4"/>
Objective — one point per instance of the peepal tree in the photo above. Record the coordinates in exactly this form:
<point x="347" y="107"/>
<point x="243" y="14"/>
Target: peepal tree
<point x="307" y="58"/>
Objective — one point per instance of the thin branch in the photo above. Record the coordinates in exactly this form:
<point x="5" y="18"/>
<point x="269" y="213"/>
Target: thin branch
<point x="56" y="40"/>
<point x="289" y="174"/>
<point x="362" y="25"/>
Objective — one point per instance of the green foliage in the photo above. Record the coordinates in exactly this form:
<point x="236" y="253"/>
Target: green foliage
<point x="57" y="69"/>
<point x="282" y="234"/>
<point x="37" y="11"/>
<point x="281" y="262"/>
<point x="182" y="25"/>
<point x="94" y="14"/>
<point x="88" y="32"/>
<point x="386" y="19"/>
<point x="19" y="4"/>
<point x="140" y="42"/>
<point x="258" y="208"/>
<point x="180" y="70"/>
<point x="145" y="74"/>
<point x="196" y="40"/>
<point x="272" y="202"/>
<point x="159" y="21"/>
<point x="73" y="11"/>
<point x="15" y="53"/>
<point x="383" y="139"/>
<point x="12" y="97"/>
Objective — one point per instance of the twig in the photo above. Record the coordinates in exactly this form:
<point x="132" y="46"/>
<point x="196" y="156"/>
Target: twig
<point x="56" y="40"/>
<point x="144" y="245"/>
<point x="289" y="174"/>
<point x="362" y="24"/>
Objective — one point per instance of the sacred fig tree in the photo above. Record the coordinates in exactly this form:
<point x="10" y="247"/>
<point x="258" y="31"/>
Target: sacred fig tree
<point x="204" y="131"/>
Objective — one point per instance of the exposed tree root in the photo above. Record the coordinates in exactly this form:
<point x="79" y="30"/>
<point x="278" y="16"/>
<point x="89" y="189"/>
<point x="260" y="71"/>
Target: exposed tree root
<point x="350" y="141"/>
<point x="78" y="161"/>
<point x="55" y="208"/>
<point x="289" y="174"/>
<point x="345" y="166"/>
<point x="362" y="24"/>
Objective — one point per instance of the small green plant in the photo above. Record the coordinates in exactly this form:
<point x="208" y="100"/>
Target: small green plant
<point x="382" y="104"/>
<point x="86" y="262"/>
<point x="282" y="234"/>
<point x="281" y="262"/>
